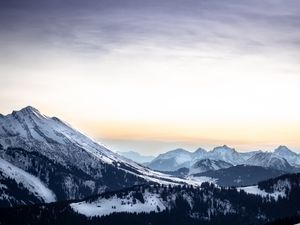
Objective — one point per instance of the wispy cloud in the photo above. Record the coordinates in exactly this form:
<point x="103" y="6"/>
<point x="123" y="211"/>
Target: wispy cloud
<point x="101" y="26"/>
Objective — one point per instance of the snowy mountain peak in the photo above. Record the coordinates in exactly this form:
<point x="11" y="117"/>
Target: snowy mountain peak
<point x="269" y="159"/>
<point x="30" y="109"/>
<point x="224" y="150"/>
<point x="204" y="165"/>
<point x="200" y="151"/>
<point x="282" y="149"/>
<point x="28" y="112"/>
<point x="292" y="157"/>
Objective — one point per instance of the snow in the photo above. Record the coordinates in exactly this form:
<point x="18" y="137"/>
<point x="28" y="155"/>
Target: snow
<point x="30" y="182"/>
<point x="292" y="157"/>
<point x="256" y="191"/>
<point x="180" y="155"/>
<point x="269" y="159"/>
<point x="104" y="206"/>
<point x="206" y="165"/>
<point x="200" y="180"/>
<point x="226" y="154"/>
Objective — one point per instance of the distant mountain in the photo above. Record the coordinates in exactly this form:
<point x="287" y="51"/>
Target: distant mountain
<point x="241" y="175"/>
<point x="282" y="158"/>
<point x="200" y="166"/>
<point x="179" y="158"/>
<point x="166" y="204"/>
<point x="292" y="157"/>
<point x="47" y="151"/>
<point x="226" y="154"/>
<point x="171" y="160"/>
<point x="136" y="157"/>
<point x="204" y="165"/>
<point x="271" y="160"/>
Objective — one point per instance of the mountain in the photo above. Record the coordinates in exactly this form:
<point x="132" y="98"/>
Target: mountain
<point x="171" y="160"/>
<point x="166" y="204"/>
<point x="136" y="157"/>
<point x="282" y="158"/>
<point x="271" y="160"/>
<point x="241" y="175"/>
<point x="292" y="157"/>
<point x="204" y="165"/>
<point x="178" y="158"/>
<point x="200" y="166"/>
<point x="226" y="154"/>
<point x="64" y="160"/>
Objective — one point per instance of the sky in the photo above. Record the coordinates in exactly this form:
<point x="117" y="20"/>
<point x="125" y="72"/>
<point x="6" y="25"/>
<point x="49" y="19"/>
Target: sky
<point x="151" y="76"/>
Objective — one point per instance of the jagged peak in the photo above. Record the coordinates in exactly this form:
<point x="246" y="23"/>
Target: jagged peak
<point x="283" y="148"/>
<point x="199" y="150"/>
<point x="29" y="110"/>
<point x="268" y="155"/>
<point x="225" y="147"/>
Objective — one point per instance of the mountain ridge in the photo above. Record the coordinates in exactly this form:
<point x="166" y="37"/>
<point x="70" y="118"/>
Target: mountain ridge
<point x="170" y="161"/>
<point x="33" y="141"/>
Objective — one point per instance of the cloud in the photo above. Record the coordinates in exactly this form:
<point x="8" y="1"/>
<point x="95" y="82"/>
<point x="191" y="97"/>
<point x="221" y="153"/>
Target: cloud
<point x="230" y="26"/>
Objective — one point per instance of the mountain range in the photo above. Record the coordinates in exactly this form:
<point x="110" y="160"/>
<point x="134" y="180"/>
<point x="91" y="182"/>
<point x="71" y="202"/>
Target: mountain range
<point x="281" y="159"/>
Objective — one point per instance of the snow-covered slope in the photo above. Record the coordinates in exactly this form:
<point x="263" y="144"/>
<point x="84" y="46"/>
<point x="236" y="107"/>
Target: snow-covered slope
<point x="146" y="199"/>
<point x="271" y="160"/>
<point x="171" y="160"/>
<point x="204" y="165"/>
<point x="79" y="165"/>
<point x="226" y="154"/>
<point x="255" y="190"/>
<point x="292" y="157"/>
<point x="201" y="202"/>
<point x="150" y="202"/>
<point x="276" y="187"/>
<point x="31" y="183"/>
<point x="28" y="127"/>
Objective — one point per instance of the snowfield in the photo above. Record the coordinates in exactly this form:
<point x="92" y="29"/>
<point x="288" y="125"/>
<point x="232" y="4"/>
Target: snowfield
<point x="256" y="191"/>
<point x="102" y="207"/>
<point x="30" y="182"/>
